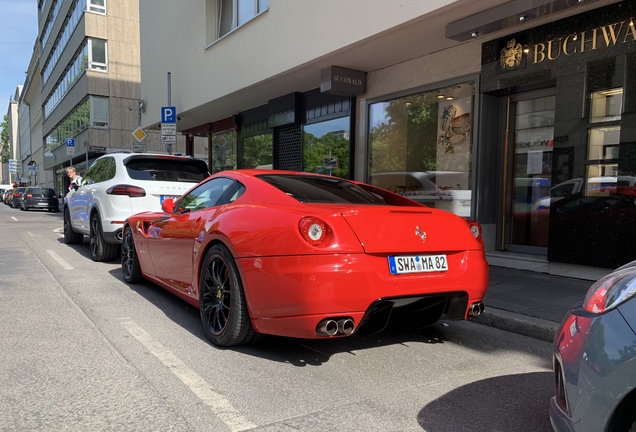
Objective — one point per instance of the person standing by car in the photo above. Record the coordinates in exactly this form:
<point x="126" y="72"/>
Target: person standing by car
<point x="76" y="180"/>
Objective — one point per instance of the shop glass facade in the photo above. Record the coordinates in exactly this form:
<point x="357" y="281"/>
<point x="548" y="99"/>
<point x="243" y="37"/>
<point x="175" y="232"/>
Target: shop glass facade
<point x="567" y="141"/>
<point x="421" y="145"/>
<point x="258" y="151"/>
<point x="223" y="151"/>
<point x="326" y="147"/>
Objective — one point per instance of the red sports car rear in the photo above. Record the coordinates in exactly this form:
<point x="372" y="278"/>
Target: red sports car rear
<point x="309" y="256"/>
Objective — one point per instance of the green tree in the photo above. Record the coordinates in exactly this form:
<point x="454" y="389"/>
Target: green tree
<point x="5" y="151"/>
<point x="257" y="150"/>
<point x="315" y="150"/>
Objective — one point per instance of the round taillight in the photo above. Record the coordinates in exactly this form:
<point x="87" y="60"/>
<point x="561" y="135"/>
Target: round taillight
<point x="313" y="230"/>
<point x="475" y="229"/>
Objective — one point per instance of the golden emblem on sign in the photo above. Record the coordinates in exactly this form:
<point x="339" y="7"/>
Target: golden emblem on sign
<point x="511" y="55"/>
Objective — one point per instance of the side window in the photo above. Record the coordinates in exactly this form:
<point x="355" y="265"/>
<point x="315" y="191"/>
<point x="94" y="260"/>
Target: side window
<point x="91" y="174"/>
<point x="204" y="196"/>
<point x="102" y="170"/>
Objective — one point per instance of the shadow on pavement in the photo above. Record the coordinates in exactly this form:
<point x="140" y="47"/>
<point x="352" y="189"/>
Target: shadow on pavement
<point x="511" y="403"/>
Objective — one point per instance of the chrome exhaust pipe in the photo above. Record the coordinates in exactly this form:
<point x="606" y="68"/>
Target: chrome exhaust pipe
<point x="345" y="326"/>
<point x="476" y="309"/>
<point x="327" y="327"/>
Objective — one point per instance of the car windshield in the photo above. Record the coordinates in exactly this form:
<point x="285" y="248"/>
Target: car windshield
<point x="313" y="189"/>
<point x="167" y="170"/>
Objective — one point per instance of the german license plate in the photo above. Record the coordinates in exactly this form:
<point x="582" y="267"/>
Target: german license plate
<point x="417" y="264"/>
<point x="162" y="198"/>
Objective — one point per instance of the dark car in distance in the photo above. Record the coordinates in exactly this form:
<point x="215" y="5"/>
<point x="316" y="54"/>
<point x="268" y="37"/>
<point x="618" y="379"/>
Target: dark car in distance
<point x="16" y="199"/>
<point x="39" y="198"/>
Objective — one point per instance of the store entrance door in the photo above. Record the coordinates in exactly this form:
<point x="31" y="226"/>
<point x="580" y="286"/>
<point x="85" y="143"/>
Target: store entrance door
<point x="529" y="140"/>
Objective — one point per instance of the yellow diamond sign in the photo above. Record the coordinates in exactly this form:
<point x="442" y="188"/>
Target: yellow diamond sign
<point x="139" y="134"/>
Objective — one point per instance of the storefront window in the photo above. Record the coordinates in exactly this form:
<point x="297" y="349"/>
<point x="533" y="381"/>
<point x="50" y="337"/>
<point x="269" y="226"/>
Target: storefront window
<point x="223" y="151"/>
<point x="603" y="142"/>
<point x="257" y="151"/>
<point x="326" y="147"/>
<point x="420" y="146"/>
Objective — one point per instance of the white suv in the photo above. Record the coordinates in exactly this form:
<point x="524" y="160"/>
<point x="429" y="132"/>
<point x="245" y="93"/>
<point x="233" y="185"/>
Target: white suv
<point x="118" y="185"/>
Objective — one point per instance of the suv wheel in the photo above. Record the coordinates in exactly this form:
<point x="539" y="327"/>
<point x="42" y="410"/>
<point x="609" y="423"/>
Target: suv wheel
<point x="100" y="250"/>
<point x="70" y="236"/>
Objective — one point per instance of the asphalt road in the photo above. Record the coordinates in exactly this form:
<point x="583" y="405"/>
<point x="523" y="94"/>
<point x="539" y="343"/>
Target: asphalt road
<point x="81" y="350"/>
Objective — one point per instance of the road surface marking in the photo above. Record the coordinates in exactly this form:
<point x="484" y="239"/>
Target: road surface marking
<point x="60" y="260"/>
<point x="14" y="218"/>
<point x="219" y="404"/>
<point x="30" y="233"/>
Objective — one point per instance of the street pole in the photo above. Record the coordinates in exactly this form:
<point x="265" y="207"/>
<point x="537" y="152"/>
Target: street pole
<point x="169" y="146"/>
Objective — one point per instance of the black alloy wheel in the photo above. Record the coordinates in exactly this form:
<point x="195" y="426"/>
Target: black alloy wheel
<point x="129" y="260"/>
<point x="70" y="236"/>
<point x="100" y="249"/>
<point x="224" y="313"/>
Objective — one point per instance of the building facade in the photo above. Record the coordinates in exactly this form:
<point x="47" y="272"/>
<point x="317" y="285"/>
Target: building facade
<point x="89" y="82"/>
<point x="14" y="137"/>
<point x="466" y="106"/>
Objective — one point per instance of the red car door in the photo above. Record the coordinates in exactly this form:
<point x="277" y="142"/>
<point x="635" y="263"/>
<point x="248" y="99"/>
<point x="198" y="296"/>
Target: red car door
<point x="171" y="244"/>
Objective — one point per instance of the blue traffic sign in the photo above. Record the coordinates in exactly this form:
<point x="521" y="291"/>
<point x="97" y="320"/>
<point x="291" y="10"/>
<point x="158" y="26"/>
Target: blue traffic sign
<point x="70" y="142"/>
<point x="168" y="114"/>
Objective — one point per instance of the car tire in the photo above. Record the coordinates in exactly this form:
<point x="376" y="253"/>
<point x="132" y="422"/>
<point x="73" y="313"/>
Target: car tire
<point x="100" y="249"/>
<point x="223" y="307"/>
<point x="129" y="259"/>
<point x="70" y="236"/>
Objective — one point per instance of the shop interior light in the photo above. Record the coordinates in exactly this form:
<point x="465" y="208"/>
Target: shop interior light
<point x="440" y="96"/>
<point x="449" y="98"/>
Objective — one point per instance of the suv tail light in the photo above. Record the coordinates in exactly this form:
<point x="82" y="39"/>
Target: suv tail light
<point x="29" y="196"/>
<point x="129" y="190"/>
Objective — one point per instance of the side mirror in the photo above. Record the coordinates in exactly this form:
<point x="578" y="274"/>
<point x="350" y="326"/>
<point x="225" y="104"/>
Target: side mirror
<point x="168" y="205"/>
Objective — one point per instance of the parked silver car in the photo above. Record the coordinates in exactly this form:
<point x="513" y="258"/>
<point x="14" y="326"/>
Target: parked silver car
<point x="595" y="359"/>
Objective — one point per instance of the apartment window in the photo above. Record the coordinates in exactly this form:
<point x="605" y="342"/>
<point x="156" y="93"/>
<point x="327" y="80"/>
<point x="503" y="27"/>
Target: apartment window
<point x="99" y="112"/>
<point x="97" y="6"/>
<point x="97" y="54"/>
<point x="234" y="13"/>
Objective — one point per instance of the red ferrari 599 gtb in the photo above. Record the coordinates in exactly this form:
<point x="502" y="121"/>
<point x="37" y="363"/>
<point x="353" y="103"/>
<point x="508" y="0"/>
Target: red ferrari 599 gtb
<point x="307" y="256"/>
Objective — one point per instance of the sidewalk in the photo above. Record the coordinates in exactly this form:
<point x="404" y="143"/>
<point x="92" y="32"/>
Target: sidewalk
<point x="529" y="303"/>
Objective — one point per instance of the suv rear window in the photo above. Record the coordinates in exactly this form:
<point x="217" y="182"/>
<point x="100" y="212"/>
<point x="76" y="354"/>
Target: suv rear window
<point x="171" y="170"/>
<point x="311" y="189"/>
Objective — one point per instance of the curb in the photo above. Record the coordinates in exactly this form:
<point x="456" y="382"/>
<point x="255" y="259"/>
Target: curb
<point x="525" y="325"/>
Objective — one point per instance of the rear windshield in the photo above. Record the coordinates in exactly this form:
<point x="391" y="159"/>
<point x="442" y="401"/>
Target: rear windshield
<point x="167" y="170"/>
<point x="310" y="189"/>
<point x="41" y="191"/>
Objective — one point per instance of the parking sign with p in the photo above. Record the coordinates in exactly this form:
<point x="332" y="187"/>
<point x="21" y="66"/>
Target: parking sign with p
<point x="168" y="114"/>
